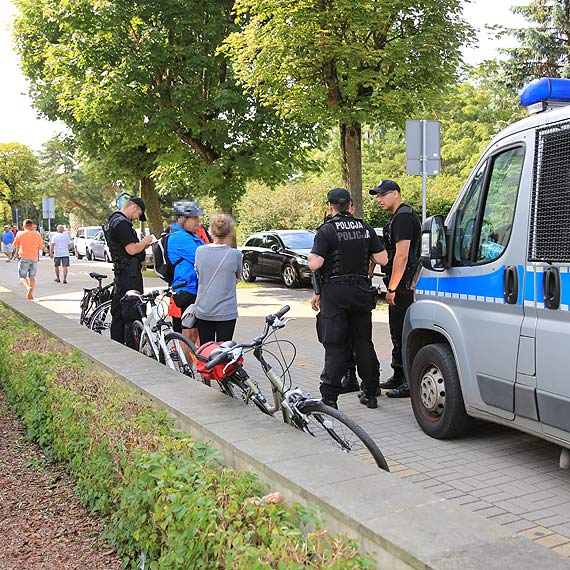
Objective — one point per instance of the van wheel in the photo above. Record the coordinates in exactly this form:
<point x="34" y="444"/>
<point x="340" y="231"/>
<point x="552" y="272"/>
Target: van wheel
<point x="107" y="260"/>
<point x="77" y="255"/>
<point x="247" y="272"/>
<point x="89" y="255"/>
<point x="436" y="395"/>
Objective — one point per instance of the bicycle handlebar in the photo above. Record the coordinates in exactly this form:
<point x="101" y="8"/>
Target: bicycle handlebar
<point x="269" y="321"/>
<point x="154" y="294"/>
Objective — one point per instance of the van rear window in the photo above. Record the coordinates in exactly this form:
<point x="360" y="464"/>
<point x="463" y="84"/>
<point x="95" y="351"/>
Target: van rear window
<point x="550" y="208"/>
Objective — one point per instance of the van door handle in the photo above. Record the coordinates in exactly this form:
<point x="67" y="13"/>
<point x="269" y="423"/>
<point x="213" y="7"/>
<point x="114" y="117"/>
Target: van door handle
<point x="511" y="284"/>
<point x="551" y="288"/>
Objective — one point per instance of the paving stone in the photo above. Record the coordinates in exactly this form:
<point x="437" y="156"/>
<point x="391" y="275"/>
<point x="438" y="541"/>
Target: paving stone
<point x="536" y="532"/>
<point x="553" y="540"/>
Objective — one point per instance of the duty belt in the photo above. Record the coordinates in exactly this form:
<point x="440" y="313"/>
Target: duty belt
<point x="351" y="278"/>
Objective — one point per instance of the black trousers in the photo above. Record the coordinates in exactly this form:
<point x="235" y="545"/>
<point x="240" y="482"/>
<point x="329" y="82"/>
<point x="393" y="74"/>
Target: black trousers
<point x="121" y="325"/>
<point x="396" y="315"/>
<point x="215" y="330"/>
<point x="183" y="300"/>
<point x="344" y="324"/>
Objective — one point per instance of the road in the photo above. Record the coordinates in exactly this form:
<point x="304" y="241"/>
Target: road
<point x="502" y="474"/>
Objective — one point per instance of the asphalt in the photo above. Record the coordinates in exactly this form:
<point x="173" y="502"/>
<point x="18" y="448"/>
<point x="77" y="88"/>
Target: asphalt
<point x="502" y="474"/>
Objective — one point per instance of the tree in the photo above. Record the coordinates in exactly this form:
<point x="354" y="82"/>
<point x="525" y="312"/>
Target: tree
<point x="347" y="63"/>
<point x="135" y="80"/>
<point x="544" y="49"/>
<point x="18" y="173"/>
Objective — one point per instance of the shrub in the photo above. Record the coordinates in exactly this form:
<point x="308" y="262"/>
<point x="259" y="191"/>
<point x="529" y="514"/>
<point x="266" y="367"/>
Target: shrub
<point x="163" y="496"/>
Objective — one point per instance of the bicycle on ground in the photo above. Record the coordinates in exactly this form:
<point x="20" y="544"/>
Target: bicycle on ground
<point x="154" y="336"/>
<point x="223" y="362"/>
<point x="96" y="306"/>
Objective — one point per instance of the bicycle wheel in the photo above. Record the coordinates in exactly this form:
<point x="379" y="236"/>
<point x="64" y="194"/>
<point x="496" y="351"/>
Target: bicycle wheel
<point x="100" y="320"/>
<point x="182" y="352"/>
<point x="233" y="383"/>
<point x="138" y="330"/>
<point x="336" y="428"/>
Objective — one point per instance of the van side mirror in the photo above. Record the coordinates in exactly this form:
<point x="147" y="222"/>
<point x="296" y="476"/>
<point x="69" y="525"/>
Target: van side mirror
<point x="434" y="244"/>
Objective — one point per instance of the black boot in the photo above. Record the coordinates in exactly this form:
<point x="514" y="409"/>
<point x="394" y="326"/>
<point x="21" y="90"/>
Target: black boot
<point x="391" y="384"/>
<point x="402" y="392"/>
<point x="349" y="382"/>
<point x="368" y="401"/>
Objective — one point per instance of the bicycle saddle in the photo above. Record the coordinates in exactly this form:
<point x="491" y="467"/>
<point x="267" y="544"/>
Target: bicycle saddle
<point x="97" y="275"/>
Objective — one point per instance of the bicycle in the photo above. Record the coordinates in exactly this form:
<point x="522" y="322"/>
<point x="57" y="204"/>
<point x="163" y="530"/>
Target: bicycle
<point x="155" y="338"/>
<point x="95" y="305"/>
<point x="223" y="362"/>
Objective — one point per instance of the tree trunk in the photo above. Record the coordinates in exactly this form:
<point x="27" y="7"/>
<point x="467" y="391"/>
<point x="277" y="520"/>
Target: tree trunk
<point x="352" y="163"/>
<point x="150" y="198"/>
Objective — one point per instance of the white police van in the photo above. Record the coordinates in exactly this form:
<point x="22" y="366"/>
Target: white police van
<point x="489" y="335"/>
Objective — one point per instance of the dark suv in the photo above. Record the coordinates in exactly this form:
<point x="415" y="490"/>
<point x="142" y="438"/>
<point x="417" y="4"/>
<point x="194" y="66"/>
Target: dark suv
<point x="280" y="254"/>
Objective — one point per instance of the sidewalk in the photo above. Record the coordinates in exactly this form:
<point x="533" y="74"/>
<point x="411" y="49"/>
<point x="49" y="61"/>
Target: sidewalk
<point x="501" y="474"/>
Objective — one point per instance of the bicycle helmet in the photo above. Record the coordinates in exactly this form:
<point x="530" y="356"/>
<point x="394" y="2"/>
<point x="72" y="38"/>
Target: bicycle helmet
<point x="187" y="209"/>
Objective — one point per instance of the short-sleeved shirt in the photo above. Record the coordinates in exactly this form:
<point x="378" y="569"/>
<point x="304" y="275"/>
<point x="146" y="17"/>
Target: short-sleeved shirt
<point x="404" y="225"/>
<point x="61" y="242"/>
<point x="182" y="245"/>
<point x="123" y="233"/>
<point x="353" y="240"/>
<point x="29" y="243"/>
<point x="8" y="237"/>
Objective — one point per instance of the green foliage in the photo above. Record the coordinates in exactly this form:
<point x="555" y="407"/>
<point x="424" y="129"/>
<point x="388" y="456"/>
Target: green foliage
<point x="18" y="173"/>
<point x="162" y="494"/>
<point x="543" y="45"/>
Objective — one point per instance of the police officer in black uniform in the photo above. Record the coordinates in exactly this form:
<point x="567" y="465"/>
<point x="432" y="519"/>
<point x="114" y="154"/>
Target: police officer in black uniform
<point x="341" y="253"/>
<point x="402" y="238"/>
<point x="127" y="253"/>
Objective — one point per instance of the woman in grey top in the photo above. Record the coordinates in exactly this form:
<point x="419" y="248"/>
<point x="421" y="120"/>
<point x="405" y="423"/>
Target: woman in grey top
<point x="219" y="269"/>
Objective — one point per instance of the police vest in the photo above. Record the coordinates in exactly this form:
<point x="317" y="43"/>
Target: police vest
<point x="351" y="254"/>
<point x="413" y="254"/>
<point x="121" y="259"/>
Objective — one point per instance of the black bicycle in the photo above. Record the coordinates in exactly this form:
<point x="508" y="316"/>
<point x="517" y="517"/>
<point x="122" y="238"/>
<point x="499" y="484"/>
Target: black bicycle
<point x="95" y="305"/>
<point x="223" y="362"/>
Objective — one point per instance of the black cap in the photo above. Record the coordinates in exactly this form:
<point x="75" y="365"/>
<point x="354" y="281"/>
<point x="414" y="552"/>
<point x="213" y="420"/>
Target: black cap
<point x="138" y="201"/>
<point x="338" y="195"/>
<point x="384" y="187"/>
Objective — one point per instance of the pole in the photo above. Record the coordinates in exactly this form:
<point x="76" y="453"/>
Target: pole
<point x="424" y="170"/>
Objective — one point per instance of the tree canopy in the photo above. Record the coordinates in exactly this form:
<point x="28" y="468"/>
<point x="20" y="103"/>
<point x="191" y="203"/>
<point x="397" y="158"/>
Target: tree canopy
<point x="19" y="170"/>
<point x="346" y="62"/>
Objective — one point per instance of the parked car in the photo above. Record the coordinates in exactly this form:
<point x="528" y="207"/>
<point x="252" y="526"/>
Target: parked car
<point x="279" y="254"/>
<point x="149" y="257"/>
<point x="377" y="280"/>
<point x="98" y="248"/>
<point x="82" y="242"/>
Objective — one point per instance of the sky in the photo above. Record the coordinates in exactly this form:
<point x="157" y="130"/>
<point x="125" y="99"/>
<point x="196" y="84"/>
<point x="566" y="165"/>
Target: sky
<point x="19" y="122"/>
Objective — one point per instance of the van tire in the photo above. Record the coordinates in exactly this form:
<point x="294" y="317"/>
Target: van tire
<point x="436" y="394"/>
<point x="78" y="255"/>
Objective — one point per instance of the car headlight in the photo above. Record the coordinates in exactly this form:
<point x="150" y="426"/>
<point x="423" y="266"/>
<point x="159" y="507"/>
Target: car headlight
<point x="302" y="261"/>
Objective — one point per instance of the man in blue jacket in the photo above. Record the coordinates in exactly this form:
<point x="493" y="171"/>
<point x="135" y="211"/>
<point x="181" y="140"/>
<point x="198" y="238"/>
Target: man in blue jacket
<point x="181" y="250"/>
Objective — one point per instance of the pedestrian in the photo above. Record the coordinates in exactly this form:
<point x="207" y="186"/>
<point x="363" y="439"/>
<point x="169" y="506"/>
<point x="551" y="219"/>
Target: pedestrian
<point x="402" y="237"/>
<point x="127" y="254"/>
<point x="28" y="243"/>
<point x="59" y="252"/>
<point x="8" y="243"/>
<point x="342" y="250"/>
<point x="181" y="250"/>
<point x="218" y="266"/>
<point x="15" y="229"/>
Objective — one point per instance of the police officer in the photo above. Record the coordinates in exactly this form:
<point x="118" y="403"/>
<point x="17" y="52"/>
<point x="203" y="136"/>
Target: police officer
<point x="341" y="252"/>
<point x="127" y="253"/>
<point x="402" y="236"/>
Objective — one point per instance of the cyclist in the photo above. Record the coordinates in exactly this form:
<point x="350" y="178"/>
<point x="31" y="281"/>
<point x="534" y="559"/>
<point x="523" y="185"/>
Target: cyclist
<point x="182" y="245"/>
<point x="342" y="250"/>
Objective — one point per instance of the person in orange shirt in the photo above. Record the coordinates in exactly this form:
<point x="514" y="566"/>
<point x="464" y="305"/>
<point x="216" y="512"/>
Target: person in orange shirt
<point x="28" y="244"/>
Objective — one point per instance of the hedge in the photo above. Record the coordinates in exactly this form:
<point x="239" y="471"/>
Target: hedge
<point x="163" y="497"/>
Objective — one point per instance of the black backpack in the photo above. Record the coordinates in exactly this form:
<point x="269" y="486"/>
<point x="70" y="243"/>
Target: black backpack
<point x="162" y="265"/>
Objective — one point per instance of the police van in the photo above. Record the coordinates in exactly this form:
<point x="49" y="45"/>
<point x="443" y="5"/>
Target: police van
<point x="489" y="334"/>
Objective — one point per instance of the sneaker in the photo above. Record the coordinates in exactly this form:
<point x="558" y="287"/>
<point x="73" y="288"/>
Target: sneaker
<point x="368" y="401"/>
<point x="57" y="280"/>
<point x="402" y="392"/>
<point x="330" y="403"/>
<point x="349" y="382"/>
<point x="65" y="281"/>
<point x="391" y="383"/>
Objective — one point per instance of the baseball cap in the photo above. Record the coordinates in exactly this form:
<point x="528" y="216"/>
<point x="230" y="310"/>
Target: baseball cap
<point x="384" y="187"/>
<point x="138" y="201"/>
<point x="338" y="195"/>
<point x="187" y="209"/>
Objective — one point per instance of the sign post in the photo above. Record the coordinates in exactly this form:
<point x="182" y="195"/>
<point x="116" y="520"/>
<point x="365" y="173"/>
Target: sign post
<point x="423" y="153"/>
<point x="48" y="211"/>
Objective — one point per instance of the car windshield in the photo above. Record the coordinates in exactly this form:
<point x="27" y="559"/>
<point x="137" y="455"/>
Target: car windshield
<point x="92" y="233"/>
<point x="302" y="240"/>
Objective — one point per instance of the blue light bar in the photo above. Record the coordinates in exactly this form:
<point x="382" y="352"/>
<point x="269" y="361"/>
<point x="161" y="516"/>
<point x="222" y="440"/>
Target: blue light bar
<point x="546" y="89"/>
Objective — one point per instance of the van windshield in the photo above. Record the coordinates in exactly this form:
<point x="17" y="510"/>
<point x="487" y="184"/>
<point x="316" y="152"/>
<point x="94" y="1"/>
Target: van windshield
<point x="90" y="233"/>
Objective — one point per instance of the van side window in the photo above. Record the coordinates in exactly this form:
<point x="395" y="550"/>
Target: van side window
<point x="485" y="215"/>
